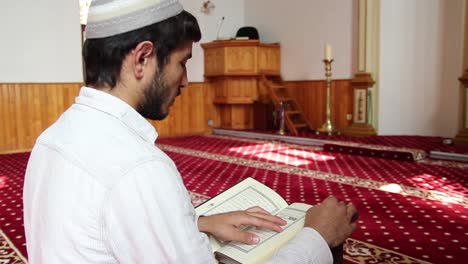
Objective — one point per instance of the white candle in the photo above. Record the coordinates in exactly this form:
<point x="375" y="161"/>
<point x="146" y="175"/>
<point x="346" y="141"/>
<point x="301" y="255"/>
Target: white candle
<point x="328" y="52"/>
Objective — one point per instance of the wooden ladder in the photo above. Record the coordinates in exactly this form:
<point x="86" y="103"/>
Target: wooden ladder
<point x="294" y="116"/>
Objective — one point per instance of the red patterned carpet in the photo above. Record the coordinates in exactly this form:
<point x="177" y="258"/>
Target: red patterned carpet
<point x="410" y="212"/>
<point x="12" y="240"/>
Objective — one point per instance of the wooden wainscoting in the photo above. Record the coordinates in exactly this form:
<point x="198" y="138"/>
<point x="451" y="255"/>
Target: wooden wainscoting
<point x="311" y="95"/>
<point x="27" y="109"/>
<point x="190" y="113"/>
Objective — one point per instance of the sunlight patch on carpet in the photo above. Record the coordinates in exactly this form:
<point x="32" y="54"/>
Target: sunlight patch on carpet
<point x="391" y="187"/>
<point x="433" y="182"/>
<point x="3" y="180"/>
<point x="284" y="155"/>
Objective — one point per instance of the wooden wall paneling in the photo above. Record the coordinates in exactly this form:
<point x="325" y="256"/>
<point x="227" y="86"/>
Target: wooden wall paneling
<point x="37" y="118"/>
<point x="16" y="132"/>
<point x="5" y="118"/>
<point x="178" y="117"/>
<point x="70" y="94"/>
<point x="311" y="95"/>
<point x="31" y="117"/>
<point x="8" y="131"/>
<point x="190" y="113"/>
<point x="200" y="105"/>
<point x="22" y="114"/>
<point x="211" y="111"/>
<point x="16" y="114"/>
<point x="2" y="116"/>
<point x="45" y="101"/>
<point x="28" y="116"/>
<point x="28" y="109"/>
<point x="13" y="96"/>
<point x="172" y="126"/>
<point x="342" y="103"/>
<point x="192" y="109"/>
<point x="167" y="126"/>
<point x="317" y="107"/>
<point x="49" y="103"/>
<point x="162" y="126"/>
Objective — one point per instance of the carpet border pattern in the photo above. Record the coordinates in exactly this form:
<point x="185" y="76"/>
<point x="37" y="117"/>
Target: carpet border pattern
<point x="9" y="254"/>
<point x="342" y="179"/>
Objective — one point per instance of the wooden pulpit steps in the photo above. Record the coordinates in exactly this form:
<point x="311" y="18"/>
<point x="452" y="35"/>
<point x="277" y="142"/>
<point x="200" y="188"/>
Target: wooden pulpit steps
<point x="295" y="119"/>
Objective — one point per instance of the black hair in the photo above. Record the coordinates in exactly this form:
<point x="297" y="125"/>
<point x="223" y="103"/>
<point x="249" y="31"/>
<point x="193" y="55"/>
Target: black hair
<point x="103" y="57"/>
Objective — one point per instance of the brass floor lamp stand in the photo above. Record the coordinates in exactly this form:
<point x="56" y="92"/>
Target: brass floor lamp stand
<point x="328" y="128"/>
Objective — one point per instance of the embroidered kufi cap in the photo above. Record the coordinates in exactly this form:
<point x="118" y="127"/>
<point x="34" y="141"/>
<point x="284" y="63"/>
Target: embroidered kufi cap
<point x="112" y="17"/>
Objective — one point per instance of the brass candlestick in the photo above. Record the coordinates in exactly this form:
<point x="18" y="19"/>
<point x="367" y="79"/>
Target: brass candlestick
<point x="328" y="127"/>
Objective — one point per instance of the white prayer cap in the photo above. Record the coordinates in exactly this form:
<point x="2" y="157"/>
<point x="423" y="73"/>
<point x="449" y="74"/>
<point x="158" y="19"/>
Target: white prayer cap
<point x="112" y="17"/>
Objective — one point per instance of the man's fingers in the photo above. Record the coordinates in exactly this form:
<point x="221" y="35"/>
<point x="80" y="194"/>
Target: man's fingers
<point x="262" y="213"/>
<point x="351" y="212"/>
<point x="245" y="237"/>
<point x="270" y="222"/>
<point x="270" y="218"/>
<point x="257" y="209"/>
<point x="353" y="228"/>
<point x="332" y="198"/>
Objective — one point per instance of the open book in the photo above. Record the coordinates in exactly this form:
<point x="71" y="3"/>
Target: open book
<point x="246" y="194"/>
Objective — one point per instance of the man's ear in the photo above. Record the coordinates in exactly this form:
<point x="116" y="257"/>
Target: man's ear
<point x="142" y="55"/>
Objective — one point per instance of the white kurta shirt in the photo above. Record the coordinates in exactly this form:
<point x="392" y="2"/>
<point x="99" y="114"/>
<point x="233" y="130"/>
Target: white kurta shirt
<point x="97" y="190"/>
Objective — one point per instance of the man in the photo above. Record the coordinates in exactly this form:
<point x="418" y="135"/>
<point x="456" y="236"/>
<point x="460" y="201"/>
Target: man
<point x="97" y="189"/>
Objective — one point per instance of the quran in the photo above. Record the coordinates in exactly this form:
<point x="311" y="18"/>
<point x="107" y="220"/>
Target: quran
<point x="244" y="195"/>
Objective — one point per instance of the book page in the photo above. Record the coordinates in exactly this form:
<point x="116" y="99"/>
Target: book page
<point x="270" y="241"/>
<point x="244" y="195"/>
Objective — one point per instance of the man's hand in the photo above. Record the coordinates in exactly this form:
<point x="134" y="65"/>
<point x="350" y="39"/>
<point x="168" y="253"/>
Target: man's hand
<point x="226" y="226"/>
<point x="333" y="219"/>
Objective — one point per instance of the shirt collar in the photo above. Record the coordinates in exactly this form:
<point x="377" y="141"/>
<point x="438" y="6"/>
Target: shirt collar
<point x="114" y="106"/>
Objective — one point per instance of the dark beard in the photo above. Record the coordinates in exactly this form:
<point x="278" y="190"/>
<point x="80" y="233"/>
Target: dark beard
<point x="155" y="96"/>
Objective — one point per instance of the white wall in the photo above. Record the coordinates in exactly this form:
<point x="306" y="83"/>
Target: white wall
<point x="420" y="61"/>
<point x="233" y="12"/>
<point x="41" y="41"/>
<point x="302" y="27"/>
<point x="45" y="36"/>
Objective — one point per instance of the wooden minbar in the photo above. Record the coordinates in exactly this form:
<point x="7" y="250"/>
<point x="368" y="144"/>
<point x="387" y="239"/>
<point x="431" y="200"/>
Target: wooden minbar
<point x="232" y="69"/>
